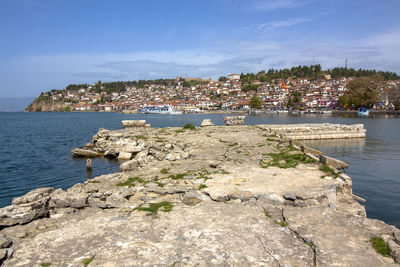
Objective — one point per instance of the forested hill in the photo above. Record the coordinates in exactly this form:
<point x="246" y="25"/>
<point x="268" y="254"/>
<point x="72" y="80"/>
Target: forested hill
<point x="313" y="72"/>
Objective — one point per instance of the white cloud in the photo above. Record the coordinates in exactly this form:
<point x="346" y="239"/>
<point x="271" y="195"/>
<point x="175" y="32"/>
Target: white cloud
<point x="269" y="5"/>
<point x="29" y="75"/>
<point x="282" y="23"/>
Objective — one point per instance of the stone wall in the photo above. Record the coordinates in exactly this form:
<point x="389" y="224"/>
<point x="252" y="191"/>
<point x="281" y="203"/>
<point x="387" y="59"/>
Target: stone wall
<point x="316" y="131"/>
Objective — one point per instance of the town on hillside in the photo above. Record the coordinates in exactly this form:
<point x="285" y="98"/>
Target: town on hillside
<point x="319" y="91"/>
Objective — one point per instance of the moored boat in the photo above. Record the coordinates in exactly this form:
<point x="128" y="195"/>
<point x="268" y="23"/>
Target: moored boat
<point x="159" y="110"/>
<point x="363" y="112"/>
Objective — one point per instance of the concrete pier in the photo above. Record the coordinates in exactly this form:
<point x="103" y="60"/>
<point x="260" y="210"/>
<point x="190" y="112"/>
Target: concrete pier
<point x="316" y="131"/>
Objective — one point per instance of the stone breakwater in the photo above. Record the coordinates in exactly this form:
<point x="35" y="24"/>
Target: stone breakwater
<point x="316" y="131"/>
<point x="215" y="195"/>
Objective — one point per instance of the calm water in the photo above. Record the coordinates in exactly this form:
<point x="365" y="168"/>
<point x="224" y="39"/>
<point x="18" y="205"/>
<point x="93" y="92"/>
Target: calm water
<point x="35" y="152"/>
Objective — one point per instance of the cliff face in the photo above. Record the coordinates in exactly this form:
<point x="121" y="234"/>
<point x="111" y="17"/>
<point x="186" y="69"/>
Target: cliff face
<point x="223" y="196"/>
<point x="47" y="106"/>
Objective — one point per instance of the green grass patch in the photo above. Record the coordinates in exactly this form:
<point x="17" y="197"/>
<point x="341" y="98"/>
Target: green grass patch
<point x="284" y="160"/>
<point x="87" y="261"/>
<point x="282" y="223"/>
<point x="93" y="182"/>
<point x="380" y="246"/>
<point x="45" y="264"/>
<point x="133" y="181"/>
<point x="180" y="130"/>
<point x="260" y="145"/>
<point x="178" y="176"/>
<point x="202" y="186"/>
<point x="233" y="144"/>
<point x="326" y="168"/>
<point x="155" y="207"/>
<point x="165" y="170"/>
<point x="189" y="126"/>
<point x="162" y="131"/>
<point x="143" y="137"/>
<point x="222" y="141"/>
<point x="271" y="140"/>
<point x="160" y="184"/>
<point x="160" y="140"/>
<point x="309" y="244"/>
<point x="267" y="213"/>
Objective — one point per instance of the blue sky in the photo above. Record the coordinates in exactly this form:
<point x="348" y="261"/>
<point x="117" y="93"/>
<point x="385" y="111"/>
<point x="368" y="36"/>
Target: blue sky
<point x="48" y="44"/>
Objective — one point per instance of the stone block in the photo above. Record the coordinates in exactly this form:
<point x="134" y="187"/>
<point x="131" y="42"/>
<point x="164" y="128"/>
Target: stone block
<point x="133" y="123"/>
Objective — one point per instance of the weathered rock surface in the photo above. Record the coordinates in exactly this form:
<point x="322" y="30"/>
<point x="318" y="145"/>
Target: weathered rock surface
<point x="133" y="123"/>
<point x="80" y="152"/>
<point x="206" y="122"/>
<point x="234" y="120"/>
<point x="204" y="197"/>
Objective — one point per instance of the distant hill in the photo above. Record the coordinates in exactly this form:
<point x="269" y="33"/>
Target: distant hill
<point x="15" y="103"/>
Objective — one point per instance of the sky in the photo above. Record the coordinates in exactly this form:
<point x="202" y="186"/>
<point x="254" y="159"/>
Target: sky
<point x="48" y="44"/>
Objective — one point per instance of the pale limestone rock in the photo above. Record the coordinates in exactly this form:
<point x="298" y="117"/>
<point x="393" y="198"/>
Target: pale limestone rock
<point x="206" y="122"/>
<point x="124" y="155"/>
<point x="133" y="123"/>
<point x="33" y="195"/>
<point x="79" y="152"/>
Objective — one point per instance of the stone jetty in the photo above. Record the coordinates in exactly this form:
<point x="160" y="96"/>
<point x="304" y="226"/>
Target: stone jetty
<point x="209" y="196"/>
<point x="315" y="131"/>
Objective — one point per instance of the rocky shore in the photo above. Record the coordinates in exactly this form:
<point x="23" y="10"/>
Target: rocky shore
<point x="215" y="195"/>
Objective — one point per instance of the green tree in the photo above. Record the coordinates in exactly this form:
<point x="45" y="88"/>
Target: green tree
<point x="255" y="102"/>
<point x="294" y="100"/>
<point x="363" y="92"/>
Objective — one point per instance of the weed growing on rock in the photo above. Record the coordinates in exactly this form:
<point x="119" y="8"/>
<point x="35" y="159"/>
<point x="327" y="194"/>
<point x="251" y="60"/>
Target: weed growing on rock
<point x="178" y="176"/>
<point x="154" y="207"/>
<point x="45" y="264"/>
<point x="326" y="168"/>
<point x="233" y="144"/>
<point x="202" y="186"/>
<point x="380" y="246"/>
<point x="180" y="130"/>
<point x="282" y="223"/>
<point x="267" y="213"/>
<point x="160" y="140"/>
<point x="165" y="170"/>
<point x="270" y="139"/>
<point x="93" y="182"/>
<point x="87" y="261"/>
<point x="132" y="182"/>
<point x="284" y="160"/>
<point x="143" y="137"/>
<point x="309" y="244"/>
<point x="162" y="131"/>
<point x="189" y="126"/>
<point x="222" y="141"/>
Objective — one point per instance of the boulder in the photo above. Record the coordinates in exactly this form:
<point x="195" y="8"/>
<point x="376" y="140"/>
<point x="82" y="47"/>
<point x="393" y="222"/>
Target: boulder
<point x="133" y="123"/>
<point x="111" y="153"/>
<point x="85" y="153"/>
<point x="24" y="213"/>
<point x="206" y="122"/>
<point x="33" y="195"/>
<point x="234" y="120"/>
<point x="134" y="148"/>
<point x="124" y="155"/>
<point x="62" y="199"/>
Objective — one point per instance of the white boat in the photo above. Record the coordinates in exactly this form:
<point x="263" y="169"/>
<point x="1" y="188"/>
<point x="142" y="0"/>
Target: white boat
<point x="363" y="112"/>
<point x="159" y="110"/>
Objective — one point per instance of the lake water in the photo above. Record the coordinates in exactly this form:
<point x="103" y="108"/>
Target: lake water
<point x="35" y="151"/>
